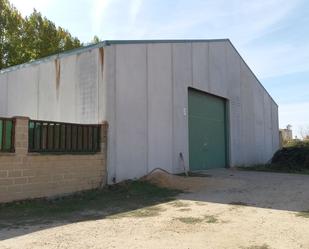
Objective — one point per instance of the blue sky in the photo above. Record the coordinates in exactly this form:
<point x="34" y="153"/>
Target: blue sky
<point x="271" y="35"/>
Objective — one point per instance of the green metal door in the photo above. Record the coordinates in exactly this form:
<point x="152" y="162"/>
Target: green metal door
<point x="207" y="131"/>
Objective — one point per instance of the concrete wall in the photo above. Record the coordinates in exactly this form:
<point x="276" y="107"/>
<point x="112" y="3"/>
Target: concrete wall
<point x="26" y="175"/>
<point x="148" y="115"/>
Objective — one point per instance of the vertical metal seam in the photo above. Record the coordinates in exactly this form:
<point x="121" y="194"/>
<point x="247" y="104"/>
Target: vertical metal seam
<point x="191" y="63"/>
<point x="240" y="112"/>
<point x="172" y="83"/>
<point x="115" y="114"/>
<point x="98" y="86"/>
<point x="208" y="68"/>
<point x="7" y="95"/>
<point x="227" y="109"/>
<point x="147" y="110"/>
<point x="187" y="112"/>
<point x="38" y="92"/>
<point x="272" y="133"/>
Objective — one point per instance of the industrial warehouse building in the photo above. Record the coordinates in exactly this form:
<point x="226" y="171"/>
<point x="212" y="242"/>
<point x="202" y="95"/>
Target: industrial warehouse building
<point x="174" y="104"/>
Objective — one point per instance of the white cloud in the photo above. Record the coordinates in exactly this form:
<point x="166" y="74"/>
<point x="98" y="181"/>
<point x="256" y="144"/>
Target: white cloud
<point x="99" y="10"/>
<point x="135" y="7"/>
<point x="240" y="20"/>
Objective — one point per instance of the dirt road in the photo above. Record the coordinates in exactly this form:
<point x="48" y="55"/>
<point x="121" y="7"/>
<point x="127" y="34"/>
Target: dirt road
<point x="233" y="209"/>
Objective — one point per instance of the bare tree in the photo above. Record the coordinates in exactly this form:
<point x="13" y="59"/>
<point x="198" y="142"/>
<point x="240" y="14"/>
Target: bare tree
<point x="304" y="132"/>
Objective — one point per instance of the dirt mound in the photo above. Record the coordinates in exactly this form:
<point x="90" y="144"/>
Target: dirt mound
<point x="166" y="180"/>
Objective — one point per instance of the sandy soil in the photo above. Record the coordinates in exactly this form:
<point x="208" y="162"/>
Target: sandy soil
<point x="231" y="209"/>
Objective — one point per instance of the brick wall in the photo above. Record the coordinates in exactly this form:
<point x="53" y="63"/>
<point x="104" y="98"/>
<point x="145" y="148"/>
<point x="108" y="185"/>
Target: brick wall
<point x="26" y="175"/>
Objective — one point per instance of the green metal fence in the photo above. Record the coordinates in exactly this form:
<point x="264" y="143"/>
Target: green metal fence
<point x="7" y="128"/>
<point x="58" y="137"/>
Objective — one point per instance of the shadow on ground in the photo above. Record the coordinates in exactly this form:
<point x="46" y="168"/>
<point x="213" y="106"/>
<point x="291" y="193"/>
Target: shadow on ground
<point x="21" y="218"/>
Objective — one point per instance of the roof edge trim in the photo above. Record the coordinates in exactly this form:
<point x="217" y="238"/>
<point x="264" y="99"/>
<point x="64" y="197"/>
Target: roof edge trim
<point x="101" y="44"/>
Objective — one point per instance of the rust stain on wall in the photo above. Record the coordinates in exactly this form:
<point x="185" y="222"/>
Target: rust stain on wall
<point x="58" y="69"/>
<point x="101" y="51"/>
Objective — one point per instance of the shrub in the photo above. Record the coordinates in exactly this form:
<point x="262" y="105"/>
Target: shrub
<point x="295" y="156"/>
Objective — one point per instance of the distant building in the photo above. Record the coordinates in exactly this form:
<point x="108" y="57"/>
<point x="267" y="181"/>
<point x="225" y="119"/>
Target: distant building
<point x="286" y="134"/>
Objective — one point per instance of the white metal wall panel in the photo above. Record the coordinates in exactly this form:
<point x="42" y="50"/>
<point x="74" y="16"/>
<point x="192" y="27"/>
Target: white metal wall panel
<point x="87" y="86"/>
<point x="131" y="111"/>
<point x="160" y="107"/>
<point x="247" y="117"/>
<point x="217" y="69"/>
<point x="67" y="109"/>
<point x="234" y="101"/>
<point x="23" y="92"/>
<point x="182" y="78"/>
<point x="3" y="94"/>
<point x="200" y="66"/>
<point x="259" y="133"/>
<point x="109" y="112"/>
<point x="268" y="142"/>
<point x="275" y="132"/>
<point x="48" y="91"/>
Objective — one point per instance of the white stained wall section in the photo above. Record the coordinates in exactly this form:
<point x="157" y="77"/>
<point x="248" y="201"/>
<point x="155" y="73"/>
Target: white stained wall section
<point x="60" y="89"/>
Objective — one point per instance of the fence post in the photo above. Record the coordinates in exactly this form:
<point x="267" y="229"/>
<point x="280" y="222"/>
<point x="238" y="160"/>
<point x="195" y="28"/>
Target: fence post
<point x="21" y="135"/>
<point x="103" y="147"/>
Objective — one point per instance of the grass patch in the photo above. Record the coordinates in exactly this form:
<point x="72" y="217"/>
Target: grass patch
<point x="194" y="174"/>
<point x="184" y="209"/>
<point x="275" y="168"/>
<point x="304" y="214"/>
<point x="264" y="246"/>
<point x="139" y="213"/>
<point x="93" y="204"/>
<point x="179" y="204"/>
<point x="211" y="219"/>
<point x="189" y="220"/>
<point x="199" y="203"/>
<point x="238" y="203"/>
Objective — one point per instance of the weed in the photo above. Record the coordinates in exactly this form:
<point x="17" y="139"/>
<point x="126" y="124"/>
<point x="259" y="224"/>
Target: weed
<point x="184" y="209"/>
<point x="194" y="174"/>
<point x="211" y="219"/>
<point x="304" y="214"/>
<point x="179" y="204"/>
<point x="140" y="213"/>
<point x="199" y="203"/>
<point x="238" y="203"/>
<point x="264" y="246"/>
<point x="189" y="220"/>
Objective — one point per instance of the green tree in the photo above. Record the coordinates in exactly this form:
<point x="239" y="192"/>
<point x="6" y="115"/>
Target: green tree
<point x="11" y="23"/>
<point x="95" y="39"/>
<point x="30" y="38"/>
